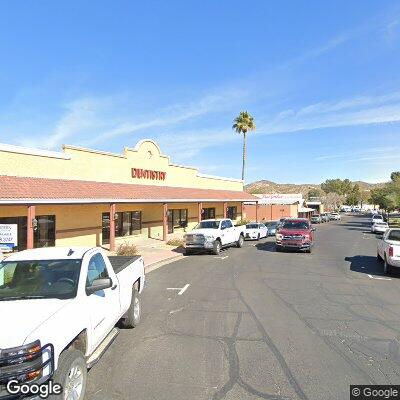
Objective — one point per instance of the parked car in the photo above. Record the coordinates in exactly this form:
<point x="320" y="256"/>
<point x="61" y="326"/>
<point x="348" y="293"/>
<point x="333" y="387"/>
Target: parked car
<point x="325" y="217"/>
<point x="296" y="233"/>
<point x="316" y="219"/>
<point x="255" y="230"/>
<point x="388" y="249"/>
<point x="376" y="218"/>
<point x="212" y="235"/>
<point x="334" y="216"/>
<point x="59" y="311"/>
<point x="272" y="227"/>
<point x="379" y="227"/>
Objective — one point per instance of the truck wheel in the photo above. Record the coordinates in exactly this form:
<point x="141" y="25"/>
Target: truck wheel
<point x="217" y="247"/>
<point x="188" y="252"/>
<point x="378" y="257"/>
<point x="386" y="266"/>
<point x="71" y="374"/>
<point x="132" y="317"/>
<point x="240" y="241"/>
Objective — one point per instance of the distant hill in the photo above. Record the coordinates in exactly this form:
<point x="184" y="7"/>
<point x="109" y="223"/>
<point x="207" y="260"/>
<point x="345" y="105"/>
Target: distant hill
<point x="265" y="186"/>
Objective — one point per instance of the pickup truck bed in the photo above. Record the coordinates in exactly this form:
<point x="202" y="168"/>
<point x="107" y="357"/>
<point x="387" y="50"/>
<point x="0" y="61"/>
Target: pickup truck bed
<point x="119" y="263"/>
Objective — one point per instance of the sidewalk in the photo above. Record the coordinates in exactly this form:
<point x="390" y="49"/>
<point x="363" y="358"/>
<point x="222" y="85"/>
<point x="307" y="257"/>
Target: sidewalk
<point x="156" y="252"/>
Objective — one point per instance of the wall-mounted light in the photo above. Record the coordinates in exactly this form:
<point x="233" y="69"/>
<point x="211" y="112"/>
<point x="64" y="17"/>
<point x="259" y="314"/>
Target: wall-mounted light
<point x="34" y="224"/>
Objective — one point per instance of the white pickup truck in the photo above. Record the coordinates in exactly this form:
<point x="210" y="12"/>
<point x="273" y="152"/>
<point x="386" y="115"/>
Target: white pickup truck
<point x="59" y="308"/>
<point x="212" y="235"/>
<point x="388" y="249"/>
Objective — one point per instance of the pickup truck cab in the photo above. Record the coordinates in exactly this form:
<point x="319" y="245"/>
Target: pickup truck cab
<point x="59" y="308"/>
<point x="295" y="234"/>
<point x="388" y="249"/>
<point x="212" y="235"/>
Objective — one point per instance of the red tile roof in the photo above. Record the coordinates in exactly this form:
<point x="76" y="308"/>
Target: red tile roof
<point x="28" y="190"/>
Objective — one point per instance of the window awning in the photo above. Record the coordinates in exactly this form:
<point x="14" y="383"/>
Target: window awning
<point x="28" y="190"/>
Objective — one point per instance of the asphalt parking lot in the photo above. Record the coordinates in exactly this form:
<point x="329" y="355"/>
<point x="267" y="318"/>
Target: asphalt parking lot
<point x="256" y="324"/>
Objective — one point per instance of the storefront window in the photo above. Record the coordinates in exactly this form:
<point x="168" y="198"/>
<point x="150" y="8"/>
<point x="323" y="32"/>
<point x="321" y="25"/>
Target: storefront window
<point x="231" y="212"/>
<point x="208" y="213"/>
<point x="127" y="223"/>
<point x="44" y="234"/>
<point x="177" y="219"/>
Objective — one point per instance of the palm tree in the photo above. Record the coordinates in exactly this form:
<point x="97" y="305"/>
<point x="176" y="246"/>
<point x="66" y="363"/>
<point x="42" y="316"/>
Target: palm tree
<point x="242" y="124"/>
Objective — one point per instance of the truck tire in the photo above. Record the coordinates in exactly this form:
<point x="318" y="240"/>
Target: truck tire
<point x="217" y="247"/>
<point x="188" y="252"/>
<point x="71" y="374"/>
<point x="132" y="316"/>
<point x="378" y="257"/>
<point x="386" y="266"/>
<point x="240" y="241"/>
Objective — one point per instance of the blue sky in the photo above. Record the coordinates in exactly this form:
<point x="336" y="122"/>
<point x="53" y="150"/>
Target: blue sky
<point x="321" y="79"/>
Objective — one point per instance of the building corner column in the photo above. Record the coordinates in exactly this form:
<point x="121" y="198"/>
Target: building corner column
<point x="257" y="212"/>
<point x="225" y="208"/>
<point x="199" y="211"/>
<point x="112" y="227"/>
<point x="30" y="226"/>
<point x="165" y="221"/>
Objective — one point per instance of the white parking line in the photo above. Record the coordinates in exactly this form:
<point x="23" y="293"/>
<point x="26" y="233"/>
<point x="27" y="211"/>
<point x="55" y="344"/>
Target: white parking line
<point x="379" y="278"/>
<point x="181" y="290"/>
<point x="184" y="289"/>
<point x="221" y="258"/>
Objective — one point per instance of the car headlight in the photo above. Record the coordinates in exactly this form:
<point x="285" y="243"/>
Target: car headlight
<point x="279" y="236"/>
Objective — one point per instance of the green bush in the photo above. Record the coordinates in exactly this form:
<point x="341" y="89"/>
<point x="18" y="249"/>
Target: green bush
<point x="127" y="249"/>
<point x="242" y="222"/>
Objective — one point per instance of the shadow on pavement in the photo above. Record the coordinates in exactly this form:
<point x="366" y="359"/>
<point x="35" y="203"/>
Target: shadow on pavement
<point x="266" y="246"/>
<point x="366" y="265"/>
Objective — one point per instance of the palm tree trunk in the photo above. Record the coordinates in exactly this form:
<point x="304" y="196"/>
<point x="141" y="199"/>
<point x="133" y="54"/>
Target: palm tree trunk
<point x="244" y="154"/>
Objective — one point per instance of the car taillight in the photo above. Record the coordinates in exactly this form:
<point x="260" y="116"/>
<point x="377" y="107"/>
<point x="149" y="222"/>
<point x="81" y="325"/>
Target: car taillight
<point x="391" y="251"/>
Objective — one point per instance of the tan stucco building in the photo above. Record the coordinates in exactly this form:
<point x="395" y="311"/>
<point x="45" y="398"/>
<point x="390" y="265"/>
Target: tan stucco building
<point x="87" y="197"/>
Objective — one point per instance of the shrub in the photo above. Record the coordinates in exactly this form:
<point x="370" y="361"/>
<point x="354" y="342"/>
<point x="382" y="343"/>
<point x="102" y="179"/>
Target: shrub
<point x="127" y="249"/>
<point x="242" y="222"/>
<point x="175" y="242"/>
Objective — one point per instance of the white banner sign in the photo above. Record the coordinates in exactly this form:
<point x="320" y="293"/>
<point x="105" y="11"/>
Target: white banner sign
<point x="8" y="236"/>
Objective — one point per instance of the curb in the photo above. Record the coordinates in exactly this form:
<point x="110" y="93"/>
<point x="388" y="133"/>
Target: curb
<point x="155" y="265"/>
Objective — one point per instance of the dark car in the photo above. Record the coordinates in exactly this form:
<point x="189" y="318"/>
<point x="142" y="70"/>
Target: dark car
<point x="272" y="227"/>
<point x="295" y="234"/>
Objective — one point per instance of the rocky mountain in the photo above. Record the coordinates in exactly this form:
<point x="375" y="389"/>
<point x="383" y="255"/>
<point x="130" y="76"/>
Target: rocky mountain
<point x="265" y="186"/>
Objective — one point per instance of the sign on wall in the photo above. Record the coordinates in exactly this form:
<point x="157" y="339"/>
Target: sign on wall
<point x="148" y="174"/>
<point x="8" y="236"/>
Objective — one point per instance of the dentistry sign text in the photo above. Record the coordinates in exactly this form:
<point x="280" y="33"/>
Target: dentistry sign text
<point x="148" y="174"/>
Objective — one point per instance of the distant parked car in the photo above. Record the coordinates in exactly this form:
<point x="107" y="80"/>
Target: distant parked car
<point x="376" y="218"/>
<point x="388" y="249"/>
<point x="325" y="217"/>
<point x="379" y="227"/>
<point x="334" y="216"/>
<point x="316" y="219"/>
<point x="272" y="227"/>
<point x="255" y="230"/>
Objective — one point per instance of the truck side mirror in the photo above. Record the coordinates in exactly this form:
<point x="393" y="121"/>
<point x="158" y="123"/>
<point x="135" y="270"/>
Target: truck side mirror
<point x="98" y="284"/>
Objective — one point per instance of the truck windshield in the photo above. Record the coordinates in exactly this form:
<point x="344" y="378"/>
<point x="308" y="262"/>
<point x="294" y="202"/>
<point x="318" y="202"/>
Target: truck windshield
<point x="295" y="225"/>
<point x="20" y="280"/>
<point x="207" y="225"/>
<point x="251" y="226"/>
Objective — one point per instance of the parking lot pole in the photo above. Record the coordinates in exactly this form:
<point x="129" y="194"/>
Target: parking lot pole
<point x="199" y="209"/>
<point x="225" y="207"/>
<point x="112" y="227"/>
<point x="30" y="227"/>
<point x="165" y="221"/>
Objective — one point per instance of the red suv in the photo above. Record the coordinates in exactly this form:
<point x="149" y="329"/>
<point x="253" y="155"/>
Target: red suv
<point x="295" y="234"/>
